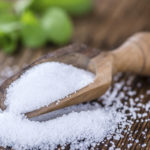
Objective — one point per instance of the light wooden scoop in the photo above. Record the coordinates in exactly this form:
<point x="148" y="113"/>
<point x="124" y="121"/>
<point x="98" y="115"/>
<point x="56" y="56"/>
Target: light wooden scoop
<point x="132" y="56"/>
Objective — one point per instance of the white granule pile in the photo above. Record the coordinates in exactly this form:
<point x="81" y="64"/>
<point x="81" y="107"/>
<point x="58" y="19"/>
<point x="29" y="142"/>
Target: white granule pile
<point x="81" y="126"/>
<point x="44" y="84"/>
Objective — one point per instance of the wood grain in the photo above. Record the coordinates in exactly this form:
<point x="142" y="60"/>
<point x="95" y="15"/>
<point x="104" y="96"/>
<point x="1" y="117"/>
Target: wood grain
<point x="110" y="23"/>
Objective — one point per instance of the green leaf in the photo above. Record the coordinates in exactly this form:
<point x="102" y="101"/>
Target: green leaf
<point x="8" y="17"/>
<point x="22" y="5"/>
<point x="57" y="25"/>
<point x="29" y="18"/>
<point x="9" y="27"/>
<point x="8" y="42"/>
<point x="74" y="7"/>
<point x="32" y="32"/>
<point x="8" y="22"/>
<point x="33" y="36"/>
<point x="5" y="6"/>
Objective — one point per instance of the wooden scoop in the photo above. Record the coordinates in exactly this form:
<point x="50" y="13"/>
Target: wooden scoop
<point x="132" y="56"/>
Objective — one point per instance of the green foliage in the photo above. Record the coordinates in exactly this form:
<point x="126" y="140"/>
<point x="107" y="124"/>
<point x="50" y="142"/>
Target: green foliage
<point x="9" y="26"/>
<point x="5" y="6"/>
<point x="32" y="32"/>
<point x="35" y="22"/>
<point x="57" y="25"/>
<point x="22" y="5"/>
<point x="8" y="42"/>
<point x="74" y="7"/>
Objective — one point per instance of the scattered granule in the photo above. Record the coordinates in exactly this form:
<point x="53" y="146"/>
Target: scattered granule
<point x="141" y="96"/>
<point x="148" y="92"/>
<point x="129" y="145"/>
<point x="143" y="145"/>
<point x="139" y="85"/>
<point x="137" y="141"/>
<point x="144" y="114"/>
<point x="82" y="126"/>
<point x="131" y="93"/>
<point x="90" y="126"/>
<point x="137" y="99"/>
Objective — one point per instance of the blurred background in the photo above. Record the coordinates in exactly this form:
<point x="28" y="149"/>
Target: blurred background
<point x="31" y="28"/>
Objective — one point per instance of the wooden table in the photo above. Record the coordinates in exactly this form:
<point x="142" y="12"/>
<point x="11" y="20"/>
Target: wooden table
<point x="110" y="23"/>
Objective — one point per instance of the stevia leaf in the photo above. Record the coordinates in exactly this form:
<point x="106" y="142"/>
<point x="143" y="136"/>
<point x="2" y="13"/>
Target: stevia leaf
<point x="33" y="36"/>
<point x="74" y="7"/>
<point x="58" y="26"/>
<point x="22" y="5"/>
<point x="29" y="18"/>
<point x="8" y="42"/>
<point x="32" y="32"/>
<point x="9" y="27"/>
<point x="5" y="6"/>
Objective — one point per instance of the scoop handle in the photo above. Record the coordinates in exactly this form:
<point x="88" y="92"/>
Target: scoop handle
<point x="133" y="55"/>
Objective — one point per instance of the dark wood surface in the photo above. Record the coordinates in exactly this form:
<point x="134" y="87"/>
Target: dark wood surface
<point x="105" y="28"/>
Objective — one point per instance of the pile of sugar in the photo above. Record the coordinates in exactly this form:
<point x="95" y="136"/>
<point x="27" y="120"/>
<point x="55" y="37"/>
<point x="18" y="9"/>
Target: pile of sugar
<point x="83" y="125"/>
<point x="44" y="84"/>
<point x="89" y="125"/>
